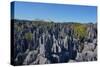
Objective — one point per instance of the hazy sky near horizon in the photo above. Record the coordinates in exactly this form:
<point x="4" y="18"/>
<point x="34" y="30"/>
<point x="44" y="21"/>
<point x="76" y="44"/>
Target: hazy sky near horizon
<point x="55" y="12"/>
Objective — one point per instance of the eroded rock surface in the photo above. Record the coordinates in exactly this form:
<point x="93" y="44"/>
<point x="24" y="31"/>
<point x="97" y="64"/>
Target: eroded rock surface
<point x="39" y="42"/>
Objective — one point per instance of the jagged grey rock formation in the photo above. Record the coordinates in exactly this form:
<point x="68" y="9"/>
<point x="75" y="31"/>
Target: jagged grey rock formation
<point x="52" y="43"/>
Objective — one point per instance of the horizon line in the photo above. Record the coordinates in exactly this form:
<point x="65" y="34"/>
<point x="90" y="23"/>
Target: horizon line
<point x="54" y="21"/>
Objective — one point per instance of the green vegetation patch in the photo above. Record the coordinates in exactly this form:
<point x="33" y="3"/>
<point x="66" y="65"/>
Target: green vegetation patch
<point x="80" y="30"/>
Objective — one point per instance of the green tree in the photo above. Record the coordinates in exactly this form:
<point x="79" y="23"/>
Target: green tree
<point x="28" y="36"/>
<point x="80" y="31"/>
